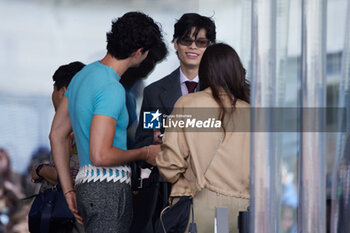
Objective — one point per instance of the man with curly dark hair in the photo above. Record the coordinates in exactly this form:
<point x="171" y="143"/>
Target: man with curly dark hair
<point x="94" y="107"/>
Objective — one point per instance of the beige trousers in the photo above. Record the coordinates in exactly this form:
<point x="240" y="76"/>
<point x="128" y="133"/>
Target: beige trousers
<point x="204" y="204"/>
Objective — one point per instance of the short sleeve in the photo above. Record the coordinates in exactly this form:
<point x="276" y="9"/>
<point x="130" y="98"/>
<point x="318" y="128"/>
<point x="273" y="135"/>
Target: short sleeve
<point x="110" y="100"/>
<point x="67" y="93"/>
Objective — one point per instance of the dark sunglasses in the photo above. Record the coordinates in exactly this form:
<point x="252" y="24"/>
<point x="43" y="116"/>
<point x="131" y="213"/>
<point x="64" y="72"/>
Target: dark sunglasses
<point x="200" y="42"/>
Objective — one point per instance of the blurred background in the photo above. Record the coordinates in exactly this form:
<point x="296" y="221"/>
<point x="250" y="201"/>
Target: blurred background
<point x="37" y="36"/>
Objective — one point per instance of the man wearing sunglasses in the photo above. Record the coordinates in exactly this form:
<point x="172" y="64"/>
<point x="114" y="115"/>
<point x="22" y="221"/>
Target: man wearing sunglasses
<point x="192" y="35"/>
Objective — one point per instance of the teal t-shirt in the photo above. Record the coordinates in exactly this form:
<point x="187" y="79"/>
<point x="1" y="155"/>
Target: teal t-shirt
<point x="96" y="90"/>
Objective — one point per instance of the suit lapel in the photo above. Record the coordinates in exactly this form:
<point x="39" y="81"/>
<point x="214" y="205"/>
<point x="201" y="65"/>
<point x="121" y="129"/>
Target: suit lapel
<point x="171" y="91"/>
<point x="198" y="87"/>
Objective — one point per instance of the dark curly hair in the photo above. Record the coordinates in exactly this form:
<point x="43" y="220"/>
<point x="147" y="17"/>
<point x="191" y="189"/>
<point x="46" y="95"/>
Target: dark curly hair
<point x="184" y="25"/>
<point x="130" y="32"/>
<point x="133" y="74"/>
<point x="64" y="74"/>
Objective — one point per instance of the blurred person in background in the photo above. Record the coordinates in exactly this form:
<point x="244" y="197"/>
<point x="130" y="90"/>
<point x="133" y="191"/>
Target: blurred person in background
<point x="289" y="201"/>
<point x="192" y="34"/>
<point x="10" y="195"/>
<point x="288" y="219"/>
<point x="344" y="195"/>
<point x="40" y="156"/>
<point x="94" y="107"/>
<point x="44" y="172"/>
<point x="212" y="167"/>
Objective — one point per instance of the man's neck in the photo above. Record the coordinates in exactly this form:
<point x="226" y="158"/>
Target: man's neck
<point x="118" y="65"/>
<point x="189" y="72"/>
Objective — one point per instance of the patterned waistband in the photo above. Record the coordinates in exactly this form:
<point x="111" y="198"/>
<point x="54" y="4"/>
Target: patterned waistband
<point x="89" y="173"/>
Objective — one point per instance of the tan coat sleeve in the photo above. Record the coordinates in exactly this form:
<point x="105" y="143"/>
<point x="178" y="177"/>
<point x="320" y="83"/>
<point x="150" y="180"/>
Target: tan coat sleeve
<point x="172" y="160"/>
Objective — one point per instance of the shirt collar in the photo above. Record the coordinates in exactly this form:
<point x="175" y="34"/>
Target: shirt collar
<point x="115" y="74"/>
<point x="183" y="78"/>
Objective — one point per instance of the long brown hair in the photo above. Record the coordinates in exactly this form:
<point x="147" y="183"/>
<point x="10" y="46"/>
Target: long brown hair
<point x="221" y="70"/>
<point x="5" y="174"/>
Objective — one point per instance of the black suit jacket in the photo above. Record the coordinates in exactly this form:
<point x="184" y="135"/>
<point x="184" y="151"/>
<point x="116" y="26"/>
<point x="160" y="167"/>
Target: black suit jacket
<point x="150" y="200"/>
<point x="161" y="95"/>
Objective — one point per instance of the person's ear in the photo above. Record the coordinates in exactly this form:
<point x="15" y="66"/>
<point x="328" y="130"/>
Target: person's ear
<point x="176" y="46"/>
<point x="138" y="52"/>
<point x="62" y="91"/>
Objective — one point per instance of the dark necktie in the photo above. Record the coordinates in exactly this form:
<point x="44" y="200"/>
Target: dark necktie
<point x="190" y="86"/>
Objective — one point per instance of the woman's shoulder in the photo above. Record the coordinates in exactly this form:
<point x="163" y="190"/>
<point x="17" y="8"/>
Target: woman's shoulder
<point x="196" y="99"/>
<point x="242" y="104"/>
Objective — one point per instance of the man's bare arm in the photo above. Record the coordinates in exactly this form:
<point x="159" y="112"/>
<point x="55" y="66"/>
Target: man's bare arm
<point x="47" y="172"/>
<point x="60" y="143"/>
<point x="60" y="140"/>
<point x="103" y="153"/>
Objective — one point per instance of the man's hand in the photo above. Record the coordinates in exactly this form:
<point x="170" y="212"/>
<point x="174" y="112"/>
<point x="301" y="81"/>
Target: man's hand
<point x="72" y="204"/>
<point x="153" y="152"/>
<point x="156" y="139"/>
<point x="35" y="177"/>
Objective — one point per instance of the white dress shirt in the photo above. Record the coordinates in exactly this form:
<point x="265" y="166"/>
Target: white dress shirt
<point x="183" y="79"/>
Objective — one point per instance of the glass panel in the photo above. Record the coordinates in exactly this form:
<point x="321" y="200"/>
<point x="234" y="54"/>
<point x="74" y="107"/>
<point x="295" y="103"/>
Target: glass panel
<point x="312" y="214"/>
<point x="264" y="163"/>
<point x="341" y="170"/>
